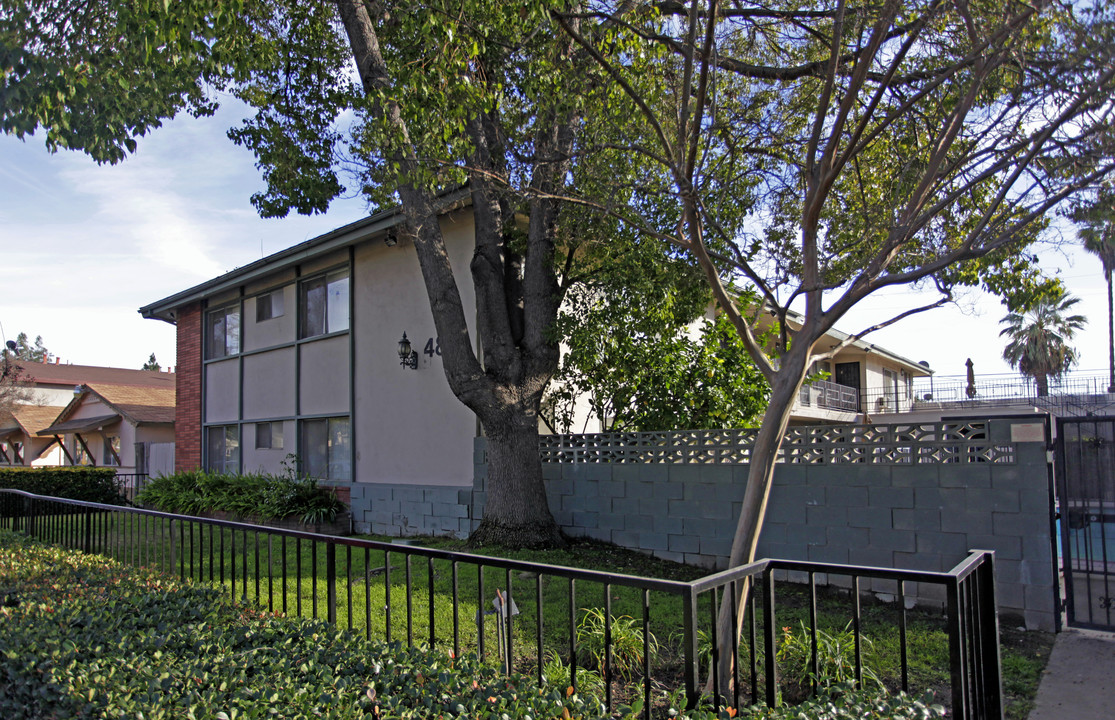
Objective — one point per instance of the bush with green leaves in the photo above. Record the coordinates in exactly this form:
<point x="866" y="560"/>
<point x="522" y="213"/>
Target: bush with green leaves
<point x="76" y="483"/>
<point x="82" y="636"/>
<point x="247" y="495"/>
<point x="627" y="642"/>
<point x="838" y="702"/>
<point x="836" y="658"/>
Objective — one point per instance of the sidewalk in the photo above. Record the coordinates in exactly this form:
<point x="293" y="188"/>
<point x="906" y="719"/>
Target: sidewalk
<point x="1079" y="682"/>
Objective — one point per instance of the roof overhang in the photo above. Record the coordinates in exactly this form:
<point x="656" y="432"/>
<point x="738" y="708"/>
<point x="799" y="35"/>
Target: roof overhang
<point x="342" y="237"/>
<point x="80" y="425"/>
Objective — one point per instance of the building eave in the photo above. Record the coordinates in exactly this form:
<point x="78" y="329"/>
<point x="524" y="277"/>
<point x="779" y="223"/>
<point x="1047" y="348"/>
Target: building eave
<point x="342" y="237"/>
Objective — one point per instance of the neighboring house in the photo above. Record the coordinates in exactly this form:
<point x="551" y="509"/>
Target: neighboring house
<point x="110" y="425"/>
<point x="20" y="443"/>
<point x="134" y="409"/>
<point x="864" y="382"/>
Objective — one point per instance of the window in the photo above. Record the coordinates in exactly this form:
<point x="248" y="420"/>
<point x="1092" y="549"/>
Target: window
<point x="323" y="304"/>
<point x="269" y="306"/>
<point x="222" y="332"/>
<point x="890" y="390"/>
<point x="110" y="454"/>
<point x="325" y="449"/>
<point x="223" y="444"/>
<point x="269" y="436"/>
<point x="81" y="457"/>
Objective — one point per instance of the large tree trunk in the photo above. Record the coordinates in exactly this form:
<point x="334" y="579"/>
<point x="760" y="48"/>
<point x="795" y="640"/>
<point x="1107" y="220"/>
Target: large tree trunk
<point x="760" y="479"/>
<point x="516" y="512"/>
<point x="505" y="388"/>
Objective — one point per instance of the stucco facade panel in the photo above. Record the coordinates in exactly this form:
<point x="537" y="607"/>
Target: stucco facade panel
<point x="409" y="428"/>
<point x="323" y="376"/>
<point x="266" y="460"/>
<point x="268" y="384"/>
<point x="275" y="331"/>
<point x="222" y="391"/>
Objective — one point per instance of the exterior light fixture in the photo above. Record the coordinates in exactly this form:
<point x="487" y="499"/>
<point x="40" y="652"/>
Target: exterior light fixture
<point x="390" y="239"/>
<point x="407" y="356"/>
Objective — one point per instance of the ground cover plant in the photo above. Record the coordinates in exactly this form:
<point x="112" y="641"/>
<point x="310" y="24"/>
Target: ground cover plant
<point x="387" y="596"/>
<point x="83" y="636"/>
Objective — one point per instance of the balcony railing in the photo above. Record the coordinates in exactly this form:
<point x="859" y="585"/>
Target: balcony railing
<point x="1074" y="393"/>
<point x="830" y="395"/>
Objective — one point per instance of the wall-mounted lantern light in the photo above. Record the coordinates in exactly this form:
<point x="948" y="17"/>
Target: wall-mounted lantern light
<point x="407" y="356"/>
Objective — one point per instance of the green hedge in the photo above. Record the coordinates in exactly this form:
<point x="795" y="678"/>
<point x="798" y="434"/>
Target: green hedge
<point x="82" y="636"/>
<point x="244" y="495"/>
<point x="77" y="483"/>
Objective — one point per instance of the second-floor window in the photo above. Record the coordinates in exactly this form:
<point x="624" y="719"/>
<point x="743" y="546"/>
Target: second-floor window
<point x="269" y="305"/>
<point x="222" y="332"/>
<point x="323" y="304"/>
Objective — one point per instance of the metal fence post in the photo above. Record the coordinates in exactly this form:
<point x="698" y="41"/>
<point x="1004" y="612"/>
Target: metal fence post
<point x="957" y="657"/>
<point x="689" y="613"/>
<point x="173" y="548"/>
<point x="769" y="658"/>
<point x="331" y="581"/>
<point x="991" y="672"/>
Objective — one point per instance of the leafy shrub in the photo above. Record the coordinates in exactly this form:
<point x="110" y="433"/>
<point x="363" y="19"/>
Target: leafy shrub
<point x="627" y="642"/>
<point x="255" y="494"/>
<point x="836" y="661"/>
<point x="76" y="483"/>
<point x="838" y="702"/>
<point x="555" y="673"/>
<point x="85" y="637"/>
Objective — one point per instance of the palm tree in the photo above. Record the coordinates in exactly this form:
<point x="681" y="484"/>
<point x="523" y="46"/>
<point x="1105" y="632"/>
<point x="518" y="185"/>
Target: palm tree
<point x="1096" y="230"/>
<point x="1039" y="338"/>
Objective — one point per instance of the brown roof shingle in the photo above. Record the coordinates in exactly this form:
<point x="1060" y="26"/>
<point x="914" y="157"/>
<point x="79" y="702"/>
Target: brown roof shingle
<point x="51" y="374"/>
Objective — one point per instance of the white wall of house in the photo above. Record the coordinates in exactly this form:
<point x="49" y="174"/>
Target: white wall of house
<point x="409" y="428"/>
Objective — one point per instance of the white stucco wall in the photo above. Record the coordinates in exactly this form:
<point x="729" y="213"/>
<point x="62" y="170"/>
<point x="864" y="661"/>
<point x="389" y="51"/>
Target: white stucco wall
<point x="409" y="427"/>
<point x="267" y="379"/>
<point x="222" y="390"/>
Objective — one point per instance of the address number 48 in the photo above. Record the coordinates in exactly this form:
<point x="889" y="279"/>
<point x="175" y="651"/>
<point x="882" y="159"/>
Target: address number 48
<point x="433" y="347"/>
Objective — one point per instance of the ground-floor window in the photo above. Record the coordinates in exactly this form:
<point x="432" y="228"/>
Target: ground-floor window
<point x="269" y="436"/>
<point x="111" y="452"/>
<point x="325" y="448"/>
<point x="223" y="445"/>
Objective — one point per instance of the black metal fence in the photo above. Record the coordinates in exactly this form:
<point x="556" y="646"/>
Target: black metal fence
<point x="389" y="590"/>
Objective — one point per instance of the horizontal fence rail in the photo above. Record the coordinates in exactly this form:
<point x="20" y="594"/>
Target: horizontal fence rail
<point x="651" y="634"/>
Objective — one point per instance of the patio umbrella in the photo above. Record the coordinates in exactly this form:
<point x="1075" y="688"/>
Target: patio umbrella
<point x="971" y="389"/>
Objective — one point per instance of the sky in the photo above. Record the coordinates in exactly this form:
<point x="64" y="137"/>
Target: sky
<point x="83" y="247"/>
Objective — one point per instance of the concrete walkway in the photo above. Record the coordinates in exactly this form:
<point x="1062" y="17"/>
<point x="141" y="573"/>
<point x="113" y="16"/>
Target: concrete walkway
<point x="1079" y="681"/>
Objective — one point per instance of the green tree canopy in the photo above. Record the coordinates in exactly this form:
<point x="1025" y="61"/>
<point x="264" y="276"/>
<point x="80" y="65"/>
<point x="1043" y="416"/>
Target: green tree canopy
<point x="1039" y="339"/>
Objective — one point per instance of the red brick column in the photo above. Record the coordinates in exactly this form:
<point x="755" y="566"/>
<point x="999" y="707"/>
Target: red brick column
<point x="187" y="416"/>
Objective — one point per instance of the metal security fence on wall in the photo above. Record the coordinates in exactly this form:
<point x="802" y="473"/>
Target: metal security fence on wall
<point x="903" y="495"/>
<point x="437" y="597"/>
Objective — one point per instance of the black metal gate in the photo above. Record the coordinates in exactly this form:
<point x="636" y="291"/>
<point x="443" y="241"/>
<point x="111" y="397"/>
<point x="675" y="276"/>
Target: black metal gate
<point x="1086" y="489"/>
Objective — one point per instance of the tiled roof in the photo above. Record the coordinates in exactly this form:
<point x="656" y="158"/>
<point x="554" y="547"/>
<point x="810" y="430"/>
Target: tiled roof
<point x="30" y="418"/>
<point x="138" y="404"/>
<point x="51" y="374"/>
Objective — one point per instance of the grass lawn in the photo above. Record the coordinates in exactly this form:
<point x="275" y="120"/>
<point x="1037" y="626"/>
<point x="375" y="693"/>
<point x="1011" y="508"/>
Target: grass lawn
<point x="387" y="595"/>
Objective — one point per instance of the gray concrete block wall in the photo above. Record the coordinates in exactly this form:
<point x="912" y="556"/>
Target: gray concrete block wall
<point x="914" y="516"/>
<point x="411" y="510"/>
